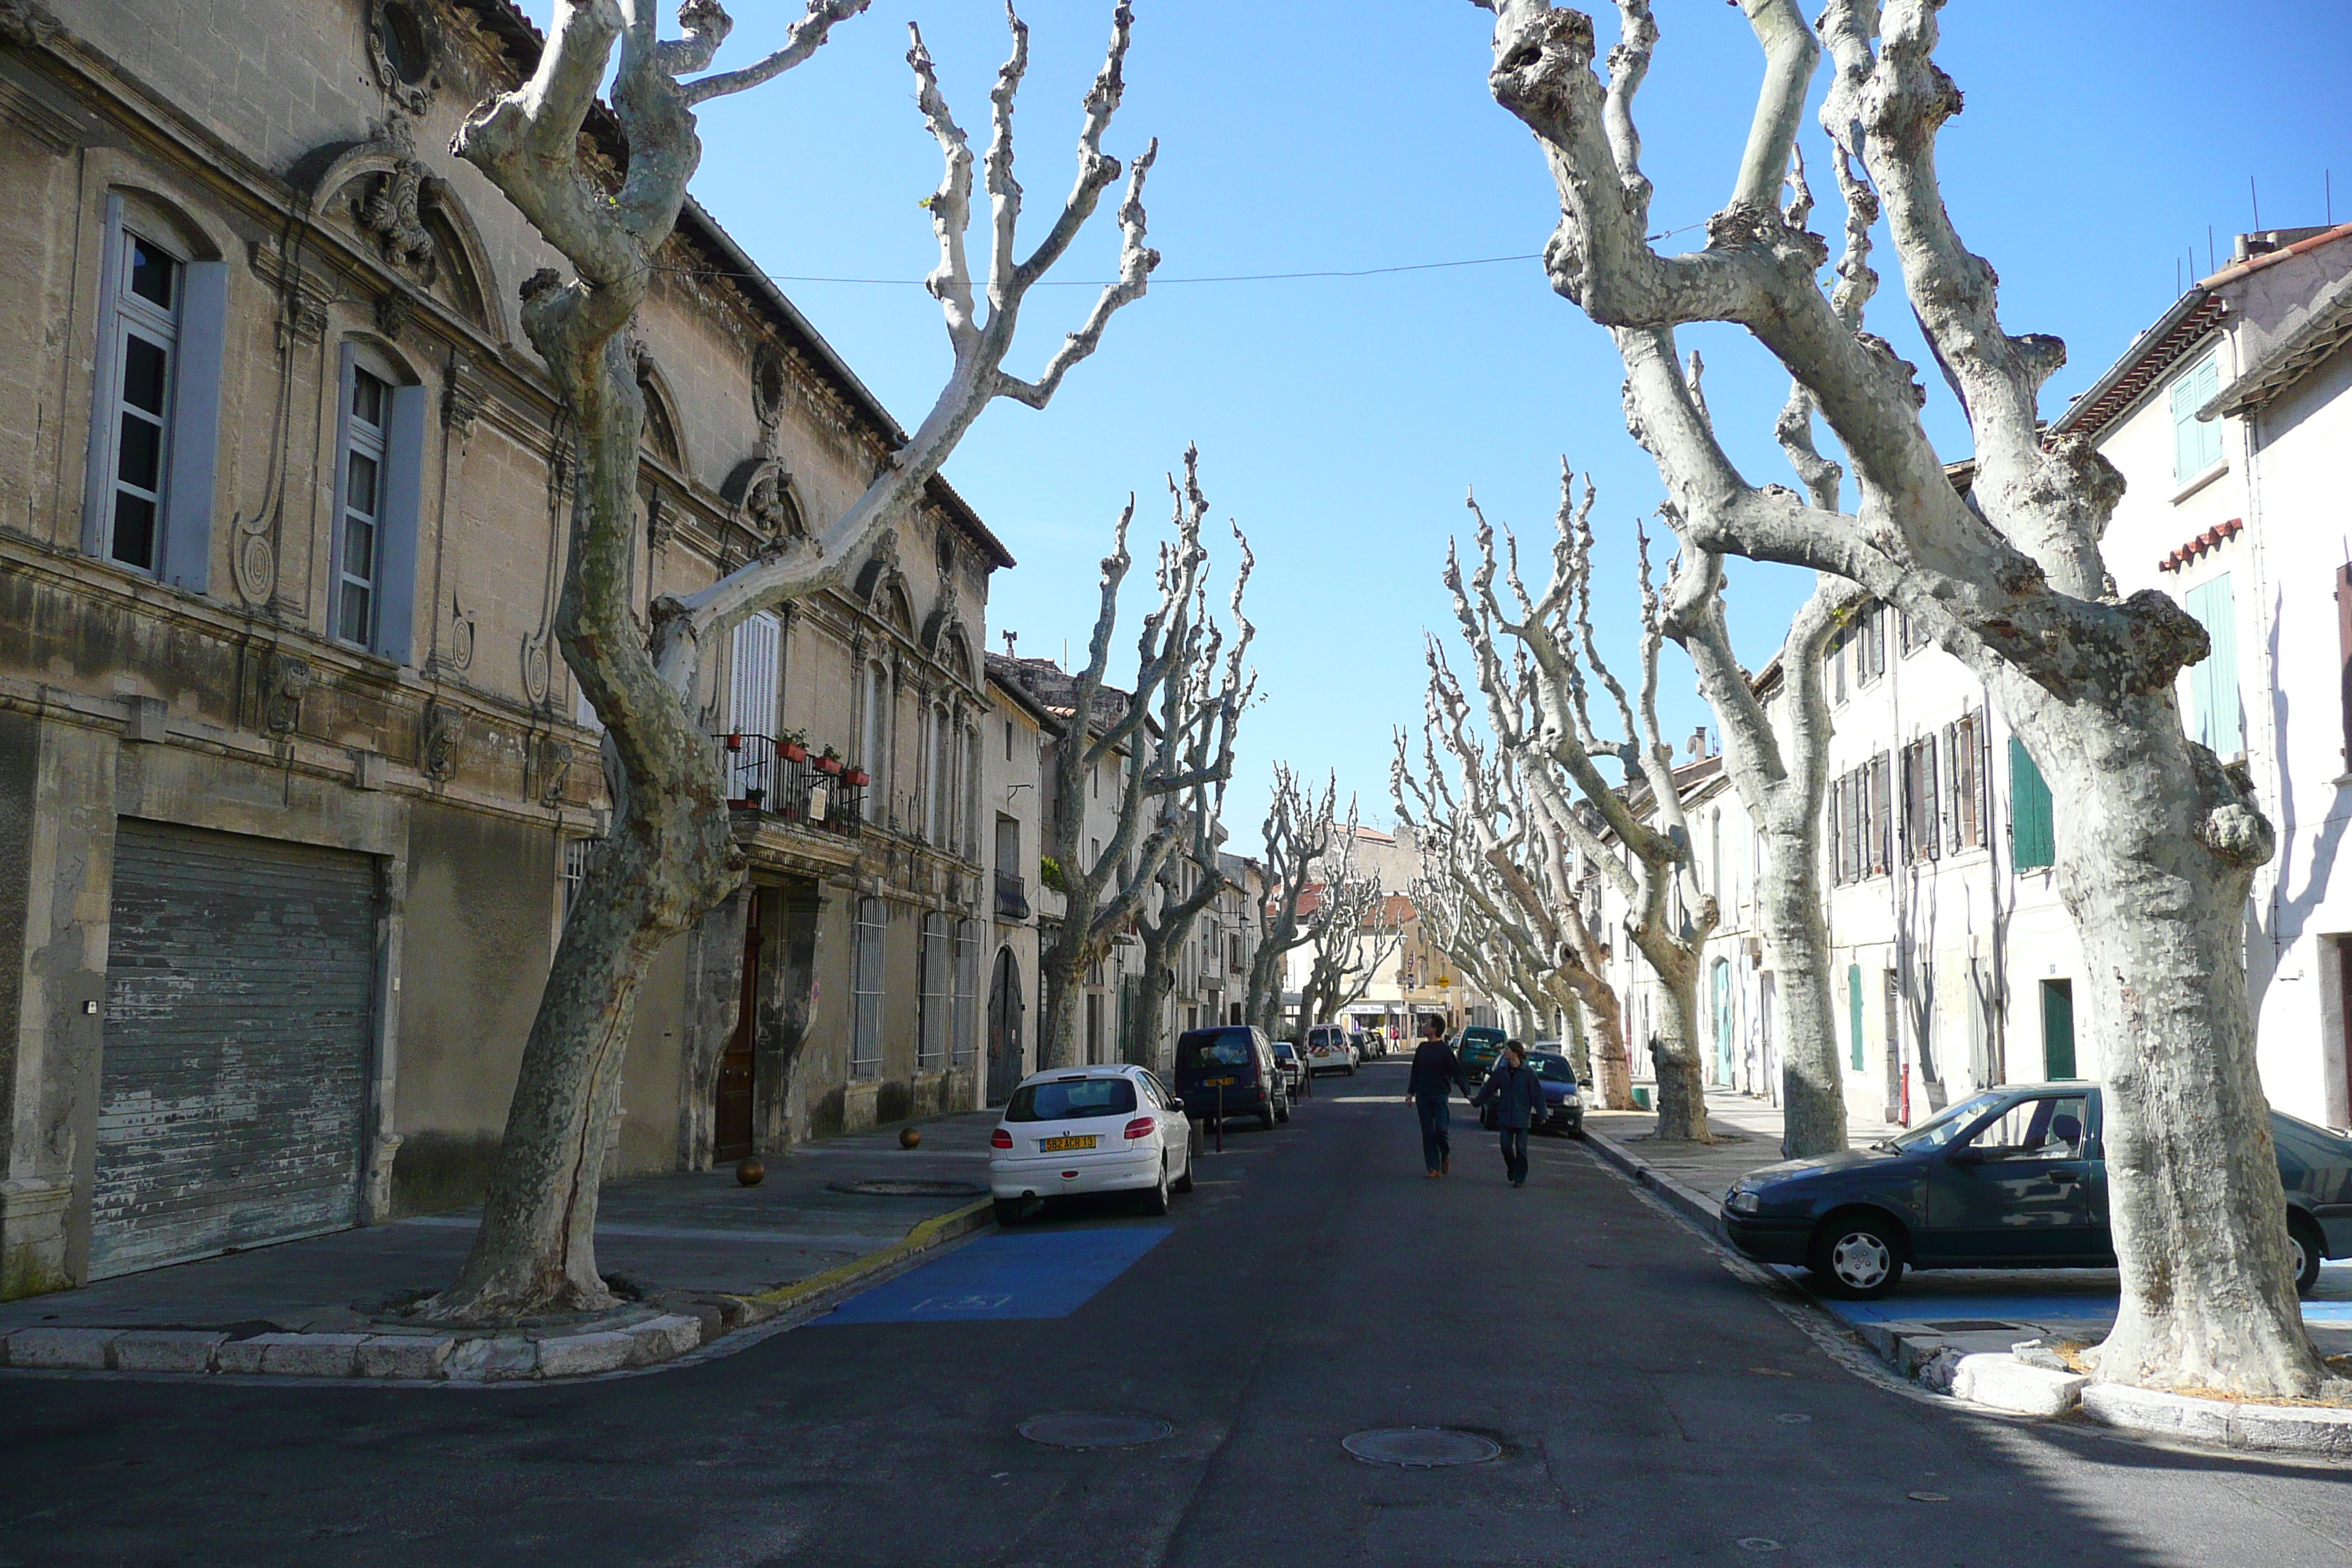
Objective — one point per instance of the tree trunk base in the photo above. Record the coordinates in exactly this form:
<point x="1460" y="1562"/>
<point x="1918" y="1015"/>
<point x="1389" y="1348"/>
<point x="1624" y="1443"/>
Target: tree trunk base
<point x="507" y="1298"/>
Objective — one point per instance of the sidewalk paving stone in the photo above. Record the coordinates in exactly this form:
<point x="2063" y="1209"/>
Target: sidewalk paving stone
<point x="705" y="1254"/>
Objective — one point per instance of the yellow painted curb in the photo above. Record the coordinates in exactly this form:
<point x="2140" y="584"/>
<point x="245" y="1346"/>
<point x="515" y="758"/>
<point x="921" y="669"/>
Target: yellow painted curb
<point x="927" y="1235"/>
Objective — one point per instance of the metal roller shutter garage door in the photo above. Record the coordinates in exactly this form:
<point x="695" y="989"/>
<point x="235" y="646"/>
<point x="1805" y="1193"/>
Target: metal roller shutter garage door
<point x="233" y="1090"/>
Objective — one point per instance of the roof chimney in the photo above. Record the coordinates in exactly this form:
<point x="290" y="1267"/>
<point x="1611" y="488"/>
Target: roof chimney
<point x="1698" y="742"/>
<point x="1009" y="638"/>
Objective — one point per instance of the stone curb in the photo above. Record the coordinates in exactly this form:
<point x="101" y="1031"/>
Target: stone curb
<point x="512" y="1356"/>
<point x="1692" y="1203"/>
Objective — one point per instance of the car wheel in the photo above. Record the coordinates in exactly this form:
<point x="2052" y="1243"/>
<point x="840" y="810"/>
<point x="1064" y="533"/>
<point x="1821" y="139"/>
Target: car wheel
<point x="1183" y="1183"/>
<point x="1857" y="1258"/>
<point x="1155" y="1198"/>
<point x="1280" y="1112"/>
<point x="1008" y="1210"/>
<point x="2303" y="1245"/>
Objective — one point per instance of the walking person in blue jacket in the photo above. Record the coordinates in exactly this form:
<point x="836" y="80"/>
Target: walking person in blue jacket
<point x="1436" y="1074"/>
<point x="1517" y="1095"/>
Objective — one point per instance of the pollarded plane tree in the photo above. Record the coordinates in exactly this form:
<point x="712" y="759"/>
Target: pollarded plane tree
<point x="1486" y="947"/>
<point x="670" y="855"/>
<point x="1298" y="832"/>
<point x="2157" y="841"/>
<point x="1782" y="770"/>
<point x="1190" y="880"/>
<point x="1511" y="866"/>
<point x="1169" y="739"/>
<point x="1540" y="711"/>
<point x="1348" y="936"/>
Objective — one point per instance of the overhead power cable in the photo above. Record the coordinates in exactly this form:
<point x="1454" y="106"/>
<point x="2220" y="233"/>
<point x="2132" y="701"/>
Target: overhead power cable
<point x="1157" y="282"/>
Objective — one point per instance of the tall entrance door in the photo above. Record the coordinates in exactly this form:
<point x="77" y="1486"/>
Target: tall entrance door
<point x="233" y="1083"/>
<point x="730" y="1130"/>
<point x="1723" y="1022"/>
<point x="1005" y="1053"/>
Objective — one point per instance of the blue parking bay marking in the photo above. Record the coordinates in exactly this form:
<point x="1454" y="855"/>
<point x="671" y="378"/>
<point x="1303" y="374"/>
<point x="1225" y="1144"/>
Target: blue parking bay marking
<point x="1027" y="1274"/>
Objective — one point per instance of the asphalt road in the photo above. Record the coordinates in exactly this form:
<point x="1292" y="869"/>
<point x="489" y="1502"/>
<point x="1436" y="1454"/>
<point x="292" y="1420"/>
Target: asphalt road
<point x="1651" y="1407"/>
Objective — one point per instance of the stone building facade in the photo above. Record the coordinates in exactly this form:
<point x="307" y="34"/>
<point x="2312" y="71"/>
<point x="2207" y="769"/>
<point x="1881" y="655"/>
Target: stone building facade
<point x="293" y="781"/>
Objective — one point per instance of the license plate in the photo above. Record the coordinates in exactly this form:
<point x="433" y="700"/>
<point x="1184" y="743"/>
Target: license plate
<point x="1218" y="1082"/>
<point x="1060" y="1145"/>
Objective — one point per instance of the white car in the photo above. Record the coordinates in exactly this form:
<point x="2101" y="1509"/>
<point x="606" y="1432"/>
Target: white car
<point x="1330" y="1051"/>
<point x="1089" y="1129"/>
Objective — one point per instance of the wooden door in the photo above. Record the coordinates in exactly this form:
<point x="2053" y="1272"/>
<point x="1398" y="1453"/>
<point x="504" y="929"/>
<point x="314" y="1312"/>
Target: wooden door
<point x="732" y="1124"/>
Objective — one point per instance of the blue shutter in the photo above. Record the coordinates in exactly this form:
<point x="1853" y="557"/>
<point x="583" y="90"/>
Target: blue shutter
<point x="404" y="483"/>
<point x="2196" y="444"/>
<point x="2032" y="837"/>
<point x="1854" y="1011"/>
<point x="187" y="555"/>
<point x="2216" y="720"/>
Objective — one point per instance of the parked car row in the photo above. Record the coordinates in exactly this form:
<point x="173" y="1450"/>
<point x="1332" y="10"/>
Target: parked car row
<point x="2013" y="1178"/>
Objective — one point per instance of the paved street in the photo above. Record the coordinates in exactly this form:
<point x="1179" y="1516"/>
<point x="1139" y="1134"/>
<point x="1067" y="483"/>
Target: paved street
<point x="1652" y="1408"/>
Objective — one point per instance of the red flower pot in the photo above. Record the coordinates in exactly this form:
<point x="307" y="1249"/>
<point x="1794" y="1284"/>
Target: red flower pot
<point x="794" y="752"/>
<point x="828" y="764"/>
<point x="855" y="778"/>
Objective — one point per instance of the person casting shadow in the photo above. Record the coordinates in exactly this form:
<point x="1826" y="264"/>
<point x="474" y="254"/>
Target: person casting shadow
<point x="1517" y="1097"/>
<point x="1436" y="1074"/>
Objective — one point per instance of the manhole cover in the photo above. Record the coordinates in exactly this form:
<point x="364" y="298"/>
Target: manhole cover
<point x="1420" y="1448"/>
<point x="1082" y="1431"/>
<point x="894" y="1189"/>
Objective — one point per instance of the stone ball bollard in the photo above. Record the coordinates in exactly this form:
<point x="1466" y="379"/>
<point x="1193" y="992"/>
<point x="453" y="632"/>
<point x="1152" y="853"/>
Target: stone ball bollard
<point x="749" y="1172"/>
<point x="909" y="1136"/>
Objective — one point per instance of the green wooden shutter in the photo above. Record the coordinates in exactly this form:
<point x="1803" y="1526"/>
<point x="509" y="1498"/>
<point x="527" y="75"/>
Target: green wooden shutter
<point x="2216" y="720"/>
<point x="2032" y="839"/>
<point x="1854" y="1010"/>
<point x="2196" y="444"/>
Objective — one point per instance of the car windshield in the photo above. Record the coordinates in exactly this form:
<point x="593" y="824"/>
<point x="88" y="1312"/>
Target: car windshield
<point x="1553" y="1068"/>
<point x="1224" y="1048"/>
<point x="1071" y="1100"/>
<point x="1282" y="1048"/>
<point x="1936" y="1131"/>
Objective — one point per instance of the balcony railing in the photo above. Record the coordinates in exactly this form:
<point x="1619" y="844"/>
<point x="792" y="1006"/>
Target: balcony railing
<point x="762" y="776"/>
<point x="1012" y="896"/>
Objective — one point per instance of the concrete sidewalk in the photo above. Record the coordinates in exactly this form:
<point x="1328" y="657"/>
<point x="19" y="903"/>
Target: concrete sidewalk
<point x="1746" y="1135"/>
<point x="695" y="1245"/>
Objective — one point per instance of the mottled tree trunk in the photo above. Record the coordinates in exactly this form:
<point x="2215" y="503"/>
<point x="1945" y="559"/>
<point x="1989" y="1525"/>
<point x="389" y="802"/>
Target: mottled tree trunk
<point x="1790" y="901"/>
<point x="1682" y="1088"/>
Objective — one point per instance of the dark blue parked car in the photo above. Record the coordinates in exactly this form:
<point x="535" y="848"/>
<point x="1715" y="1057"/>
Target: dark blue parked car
<point x="1231" y="1068"/>
<point x="2014" y="1178"/>
<point x="1563" y="1101"/>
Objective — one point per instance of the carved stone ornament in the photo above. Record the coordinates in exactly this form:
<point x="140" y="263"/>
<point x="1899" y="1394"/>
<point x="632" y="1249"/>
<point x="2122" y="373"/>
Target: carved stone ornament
<point x="394" y="311"/>
<point x="27" y="23"/>
<point x="284" y="681"/>
<point x="441" y="732"/>
<point x="404" y="45"/>
<point x="554" y="770"/>
<point x="390" y="208"/>
<point x="463" y="394"/>
<point x="535" y="673"/>
<point x="461" y="636"/>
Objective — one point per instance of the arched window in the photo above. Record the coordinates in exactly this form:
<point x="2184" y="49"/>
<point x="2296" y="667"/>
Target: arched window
<point x="940" y="788"/>
<point x="932" y="1026"/>
<point x="967" y="991"/>
<point x="865" y="986"/>
<point x="379" y="488"/>
<point x="874" y="743"/>
<point x="154" y="434"/>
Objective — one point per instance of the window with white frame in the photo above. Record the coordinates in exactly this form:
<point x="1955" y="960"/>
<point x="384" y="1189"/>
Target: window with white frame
<point x="967" y="991"/>
<point x="365" y="415"/>
<point x="866" y="987"/>
<point x="2196" y="443"/>
<point x="144" y="351"/>
<point x="381" y="442"/>
<point x="933" y="1024"/>
<point x="874" y="742"/>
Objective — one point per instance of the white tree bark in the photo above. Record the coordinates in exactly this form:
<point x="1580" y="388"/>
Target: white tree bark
<point x="1500" y="881"/>
<point x="2157" y="842"/>
<point x="1298" y="831"/>
<point x="1538" y="708"/>
<point x="671" y="853"/>
<point x="1172" y="734"/>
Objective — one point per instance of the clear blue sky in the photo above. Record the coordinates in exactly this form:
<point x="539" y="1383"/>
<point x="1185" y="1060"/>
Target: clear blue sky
<point x="1341" y="420"/>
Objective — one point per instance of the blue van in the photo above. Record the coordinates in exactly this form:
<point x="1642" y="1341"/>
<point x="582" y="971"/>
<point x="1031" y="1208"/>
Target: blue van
<point x="1234" y="1061"/>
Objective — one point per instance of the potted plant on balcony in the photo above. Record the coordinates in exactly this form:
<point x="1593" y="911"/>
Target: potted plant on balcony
<point x="830" y="761"/>
<point x="853" y="776"/>
<point x="754" y="796"/>
<point x="794" y="743"/>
